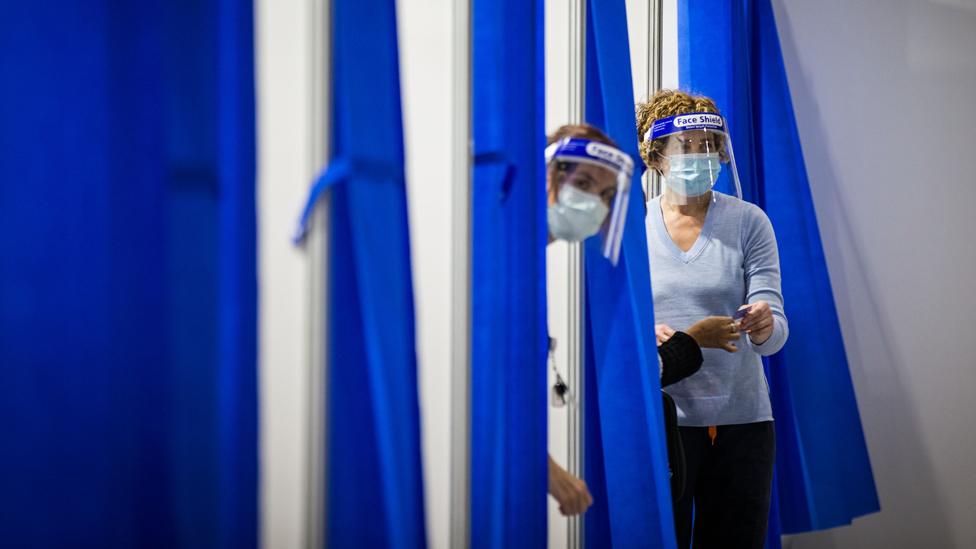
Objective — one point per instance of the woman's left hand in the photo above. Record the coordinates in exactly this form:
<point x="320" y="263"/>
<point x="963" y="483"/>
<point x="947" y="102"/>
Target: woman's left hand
<point x="758" y="322"/>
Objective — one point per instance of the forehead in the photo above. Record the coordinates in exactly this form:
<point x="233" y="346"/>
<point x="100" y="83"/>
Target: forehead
<point x="695" y="137"/>
<point x="593" y="173"/>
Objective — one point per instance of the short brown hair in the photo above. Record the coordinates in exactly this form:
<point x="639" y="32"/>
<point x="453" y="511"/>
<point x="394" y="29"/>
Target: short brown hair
<point x="582" y="131"/>
<point x="667" y="103"/>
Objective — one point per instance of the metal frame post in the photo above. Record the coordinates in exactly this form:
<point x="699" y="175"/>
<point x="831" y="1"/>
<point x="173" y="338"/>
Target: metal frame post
<point x="461" y="280"/>
<point x="317" y="246"/>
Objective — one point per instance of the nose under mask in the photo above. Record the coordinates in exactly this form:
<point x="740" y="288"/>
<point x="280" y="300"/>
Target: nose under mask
<point x="576" y="215"/>
<point x="692" y="174"/>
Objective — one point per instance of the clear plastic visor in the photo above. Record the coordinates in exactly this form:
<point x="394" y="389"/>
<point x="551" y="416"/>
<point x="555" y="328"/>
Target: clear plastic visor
<point x="694" y="160"/>
<point x="601" y="209"/>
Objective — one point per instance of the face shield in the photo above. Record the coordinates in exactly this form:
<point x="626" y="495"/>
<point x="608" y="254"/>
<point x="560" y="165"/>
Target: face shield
<point x="694" y="152"/>
<point x="591" y="184"/>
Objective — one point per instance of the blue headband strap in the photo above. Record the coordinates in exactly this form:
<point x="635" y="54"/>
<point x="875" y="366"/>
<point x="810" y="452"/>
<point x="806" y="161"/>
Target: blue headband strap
<point x="683" y="122"/>
<point x="586" y="150"/>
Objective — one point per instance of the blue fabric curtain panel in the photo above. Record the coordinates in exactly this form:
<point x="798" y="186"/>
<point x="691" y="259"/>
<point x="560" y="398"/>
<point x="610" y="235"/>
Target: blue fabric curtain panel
<point x="127" y="280"/>
<point x="374" y="487"/>
<point x="237" y="379"/>
<point x="508" y="332"/>
<point x="626" y="458"/>
<point x="730" y="51"/>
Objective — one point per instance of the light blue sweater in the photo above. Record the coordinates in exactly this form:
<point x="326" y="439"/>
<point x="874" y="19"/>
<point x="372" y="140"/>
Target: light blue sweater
<point x="734" y="261"/>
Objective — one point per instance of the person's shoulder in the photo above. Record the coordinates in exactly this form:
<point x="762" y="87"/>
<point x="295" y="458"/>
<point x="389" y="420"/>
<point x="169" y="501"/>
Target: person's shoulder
<point x="652" y="209"/>
<point x="750" y="213"/>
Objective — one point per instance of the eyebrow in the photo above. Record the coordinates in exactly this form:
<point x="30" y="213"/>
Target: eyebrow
<point x="589" y="178"/>
<point x="708" y="140"/>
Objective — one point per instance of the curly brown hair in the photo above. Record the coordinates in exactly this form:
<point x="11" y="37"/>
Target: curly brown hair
<point x="663" y="104"/>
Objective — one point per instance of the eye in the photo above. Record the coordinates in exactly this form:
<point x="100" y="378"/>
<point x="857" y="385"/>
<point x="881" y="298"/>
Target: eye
<point x="584" y="182"/>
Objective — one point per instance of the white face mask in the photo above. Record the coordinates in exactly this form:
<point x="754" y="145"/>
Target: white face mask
<point x="576" y="215"/>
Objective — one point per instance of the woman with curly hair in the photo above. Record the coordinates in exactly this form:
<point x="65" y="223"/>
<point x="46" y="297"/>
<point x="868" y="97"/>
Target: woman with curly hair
<point x="714" y="254"/>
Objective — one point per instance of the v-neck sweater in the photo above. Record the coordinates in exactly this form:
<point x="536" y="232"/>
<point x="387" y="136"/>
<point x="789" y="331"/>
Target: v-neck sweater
<point x="733" y="262"/>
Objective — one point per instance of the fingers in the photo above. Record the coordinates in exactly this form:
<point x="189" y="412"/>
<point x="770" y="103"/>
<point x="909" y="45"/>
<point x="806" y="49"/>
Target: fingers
<point x="743" y="319"/>
<point x="729" y="331"/>
<point x="583" y="500"/>
<point x="730" y="336"/>
<point x="577" y="500"/>
<point x="758" y="312"/>
<point x="566" y="497"/>
<point x="587" y="498"/>
<point x="764" y="324"/>
<point x="572" y="495"/>
<point x="729" y="347"/>
<point x="571" y="507"/>
<point x="760" y="335"/>
<point x="760" y="325"/>
<point x="663" y="332"/>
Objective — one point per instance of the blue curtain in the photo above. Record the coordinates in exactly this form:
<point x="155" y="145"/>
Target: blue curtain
<point x="127" y="284"/>
<point x="374" y="485"/>
<point x="509" y="340"/>
<point x="626" y="458"/>
<point x="730" y="51"/>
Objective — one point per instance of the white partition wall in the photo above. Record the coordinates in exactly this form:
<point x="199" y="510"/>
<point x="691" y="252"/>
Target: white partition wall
<point x="433" y="76"/>
<point x="284" y="97"/>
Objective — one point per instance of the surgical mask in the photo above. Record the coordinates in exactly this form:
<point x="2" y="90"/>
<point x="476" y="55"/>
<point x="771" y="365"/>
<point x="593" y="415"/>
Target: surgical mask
<point x="576" y="215"/>
<point x="693" y="174"/>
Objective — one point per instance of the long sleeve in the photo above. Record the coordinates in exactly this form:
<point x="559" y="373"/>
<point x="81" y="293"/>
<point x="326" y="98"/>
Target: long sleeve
<point x="762" y="276"/>
<point x="680" y="357"/>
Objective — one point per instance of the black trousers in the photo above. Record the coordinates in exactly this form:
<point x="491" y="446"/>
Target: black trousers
<point x="727" y="487"/>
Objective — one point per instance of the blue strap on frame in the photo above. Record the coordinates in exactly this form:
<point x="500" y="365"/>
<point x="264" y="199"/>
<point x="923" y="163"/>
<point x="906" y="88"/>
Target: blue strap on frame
<point x="685" y="122"/>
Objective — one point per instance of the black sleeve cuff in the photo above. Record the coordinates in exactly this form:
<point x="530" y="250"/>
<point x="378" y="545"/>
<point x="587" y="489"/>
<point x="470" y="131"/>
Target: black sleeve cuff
<point x="681" y="356"/>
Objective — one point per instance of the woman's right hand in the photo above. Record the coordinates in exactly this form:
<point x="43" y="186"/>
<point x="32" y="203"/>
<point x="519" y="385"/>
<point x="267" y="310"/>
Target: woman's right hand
<point x="716" y="332"/>
<point x="572" y="494"/>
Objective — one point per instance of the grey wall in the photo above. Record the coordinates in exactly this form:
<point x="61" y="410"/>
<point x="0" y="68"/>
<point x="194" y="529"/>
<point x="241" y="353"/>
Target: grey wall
<point x="883" y="93"/>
